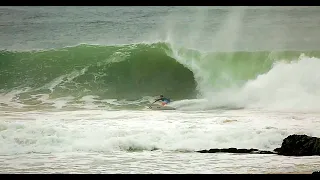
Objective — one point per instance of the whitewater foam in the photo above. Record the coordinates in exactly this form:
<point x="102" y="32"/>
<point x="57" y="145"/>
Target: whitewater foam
<point x="287" y="86"/>
<point x="106" y="131"/>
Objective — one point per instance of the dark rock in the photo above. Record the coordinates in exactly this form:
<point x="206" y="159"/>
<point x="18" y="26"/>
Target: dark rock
<point x="267" y="152"/>
<point x="316" y="172"/>
<point x="210" y="151"/>
<point x="293" y="145"/>
<point x="203" y="151"/>
<point x="277" y="150"/>
<point x="154" y="149"/>
<point x="299" y="145"/>
<point x="244" y="150"/>
<point x="214" y="150"/>
<point x="235" y="150"/>
<point x="230" y="150"/>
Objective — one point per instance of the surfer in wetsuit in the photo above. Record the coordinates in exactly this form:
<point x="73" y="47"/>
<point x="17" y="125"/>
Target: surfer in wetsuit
<point x="163" y="99"/>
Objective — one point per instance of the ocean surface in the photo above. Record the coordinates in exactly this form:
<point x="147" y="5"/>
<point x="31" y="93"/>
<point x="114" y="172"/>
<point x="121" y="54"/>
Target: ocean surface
<point x="76" y="83"/>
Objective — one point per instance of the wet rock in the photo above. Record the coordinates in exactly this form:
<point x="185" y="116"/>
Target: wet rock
<point x="293" y="145"/>
<point x="244" y="150"/>
<point x="266" y="152"/>
<point x="277" y="150"/>
<point x="235" y="150"/>
<point x="154" y="149"/>
<point x="299" y="145"/>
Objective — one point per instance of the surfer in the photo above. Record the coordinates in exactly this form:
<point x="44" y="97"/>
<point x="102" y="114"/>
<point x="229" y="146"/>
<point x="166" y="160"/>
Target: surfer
<point x="163" y="99"/>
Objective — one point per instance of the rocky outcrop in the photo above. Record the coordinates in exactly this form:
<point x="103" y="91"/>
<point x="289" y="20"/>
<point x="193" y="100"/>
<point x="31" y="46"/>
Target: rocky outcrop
<point x="235" y="150"/>
<point x="293" y="145"/>
<point x="316" y="172"/>
<point x="299" y="145"/>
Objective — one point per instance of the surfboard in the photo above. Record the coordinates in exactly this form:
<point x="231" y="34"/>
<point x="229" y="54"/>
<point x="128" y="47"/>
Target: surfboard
<point x="160" y="107"/>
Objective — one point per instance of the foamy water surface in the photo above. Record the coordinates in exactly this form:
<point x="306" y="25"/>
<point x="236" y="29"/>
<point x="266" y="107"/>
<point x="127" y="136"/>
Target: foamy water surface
<point x="99" y="141"/>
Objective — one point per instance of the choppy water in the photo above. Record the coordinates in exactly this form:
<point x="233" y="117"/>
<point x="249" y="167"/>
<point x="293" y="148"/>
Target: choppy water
<point x="99" y="141"/>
